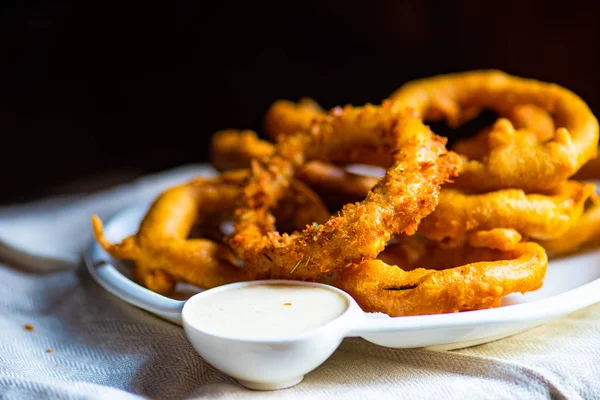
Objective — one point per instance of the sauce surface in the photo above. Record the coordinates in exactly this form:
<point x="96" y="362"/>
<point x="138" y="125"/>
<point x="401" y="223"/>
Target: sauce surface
<point x="266" y="310"/>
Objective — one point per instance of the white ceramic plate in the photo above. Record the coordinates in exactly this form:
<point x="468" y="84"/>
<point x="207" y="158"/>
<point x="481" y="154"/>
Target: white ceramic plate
<point x="571" y="284"/>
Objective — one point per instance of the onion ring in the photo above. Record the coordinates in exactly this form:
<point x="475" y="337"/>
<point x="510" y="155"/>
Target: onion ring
<point x="537" y="216"/>
<point x="533" y="167"/>
<point x="586" y="232"/>
<point x="160" y="251"/>
<point x="407" y="193"/>
<point x="285" y="117"/>
<point x="164" y="255"/>
<point x="482" y="282"/>
<point x="233" y="149"/>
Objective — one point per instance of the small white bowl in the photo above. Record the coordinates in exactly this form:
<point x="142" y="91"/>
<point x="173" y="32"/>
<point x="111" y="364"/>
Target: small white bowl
<point x="274" y="363"/>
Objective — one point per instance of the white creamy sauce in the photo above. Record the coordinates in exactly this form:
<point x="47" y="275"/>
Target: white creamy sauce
<point x="266" y="310"/>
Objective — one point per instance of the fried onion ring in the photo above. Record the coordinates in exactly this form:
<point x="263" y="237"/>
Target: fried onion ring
<point x="487" y="276"/>
<point x="511" y="162"/>
<point x="585" y="232"/>
<point x="407" y="193"/>
<point x="233" y="149"/>
<point x="285" y="117"/>
<point x="161" y="253"/>
<point x="537" y="216"/>
<point x="164" y="255"/>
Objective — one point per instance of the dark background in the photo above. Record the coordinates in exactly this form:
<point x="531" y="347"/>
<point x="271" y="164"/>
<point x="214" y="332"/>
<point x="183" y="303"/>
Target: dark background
<point x="90" y="89"/>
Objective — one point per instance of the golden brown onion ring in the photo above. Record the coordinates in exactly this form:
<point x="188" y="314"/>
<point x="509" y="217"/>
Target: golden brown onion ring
<point x="484" y="279"/>
<point x="233" y="149"/>
<point x="164" y="255"/>
<point x="511" y="162"/>
<point x="407" y="193"/>
<point x="160" y="251"/>
<point x="586" y="232"/>
<point x="286" y="117"/>
<point x="537" y="216"/>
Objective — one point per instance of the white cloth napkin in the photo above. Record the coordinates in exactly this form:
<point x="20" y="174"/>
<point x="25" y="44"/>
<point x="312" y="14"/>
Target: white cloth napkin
<point x="86" y="343"/>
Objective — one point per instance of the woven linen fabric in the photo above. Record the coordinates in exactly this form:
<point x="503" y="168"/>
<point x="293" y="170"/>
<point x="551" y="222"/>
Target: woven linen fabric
<point x="84" y="343"/>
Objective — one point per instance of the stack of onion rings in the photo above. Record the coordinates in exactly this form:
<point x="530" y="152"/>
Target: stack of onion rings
<point x="380" y="287"/>
<point x="505" y="186"/>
